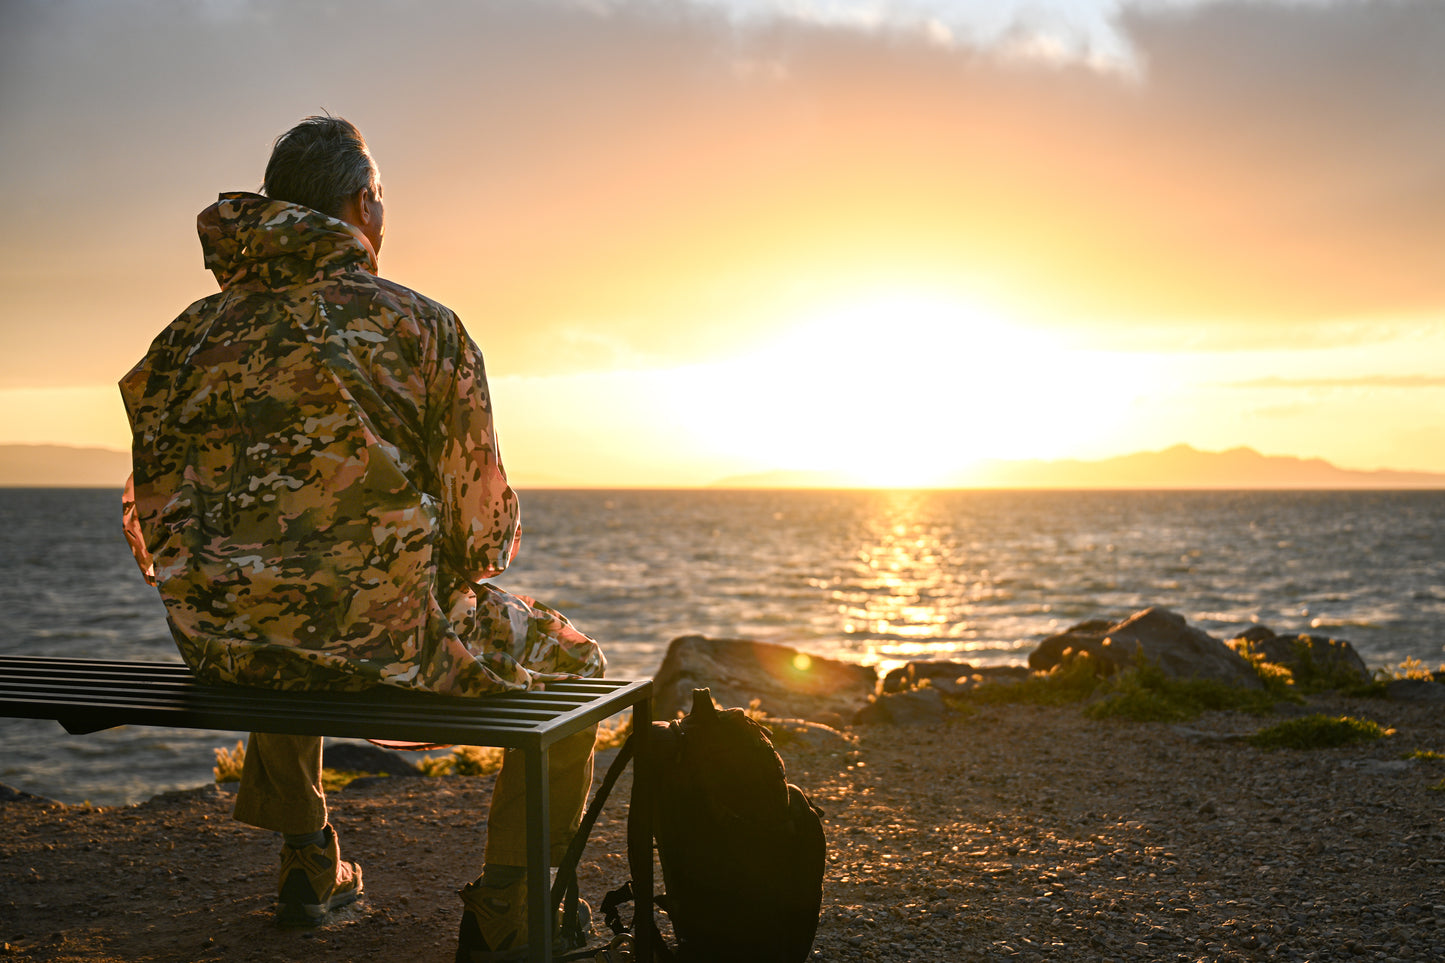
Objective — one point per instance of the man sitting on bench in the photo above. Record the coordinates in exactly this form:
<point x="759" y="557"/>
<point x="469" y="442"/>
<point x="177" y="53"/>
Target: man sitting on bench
<point x="318" y="496"/>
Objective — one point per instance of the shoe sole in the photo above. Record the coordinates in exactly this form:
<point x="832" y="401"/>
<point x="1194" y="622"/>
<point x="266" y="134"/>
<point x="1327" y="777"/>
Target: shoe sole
<point x="301" y="915"/>
<point x="517" y="954"/>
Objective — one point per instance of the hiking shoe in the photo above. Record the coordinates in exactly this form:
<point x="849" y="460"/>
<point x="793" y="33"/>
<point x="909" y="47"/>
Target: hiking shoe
<point x="314" y="881"/>
<point x="494" y="925"/>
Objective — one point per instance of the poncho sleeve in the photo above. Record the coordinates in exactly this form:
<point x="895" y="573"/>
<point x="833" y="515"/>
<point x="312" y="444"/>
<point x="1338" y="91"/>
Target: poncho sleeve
<point x="481" y="517"/>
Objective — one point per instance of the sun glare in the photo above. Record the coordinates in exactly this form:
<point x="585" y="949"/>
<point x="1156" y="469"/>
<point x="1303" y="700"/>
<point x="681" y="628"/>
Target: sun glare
<point x="902" y="390"/>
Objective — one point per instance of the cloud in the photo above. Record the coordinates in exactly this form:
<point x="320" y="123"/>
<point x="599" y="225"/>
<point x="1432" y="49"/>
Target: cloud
<point x="675" y="181"/>
<point x="1043" y="31"/>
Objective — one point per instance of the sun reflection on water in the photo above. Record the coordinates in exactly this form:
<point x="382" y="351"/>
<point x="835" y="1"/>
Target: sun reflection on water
<point x="907" y="592"/>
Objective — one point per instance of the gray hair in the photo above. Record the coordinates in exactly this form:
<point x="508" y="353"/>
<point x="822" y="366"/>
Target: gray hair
<point x="319" y="163"/>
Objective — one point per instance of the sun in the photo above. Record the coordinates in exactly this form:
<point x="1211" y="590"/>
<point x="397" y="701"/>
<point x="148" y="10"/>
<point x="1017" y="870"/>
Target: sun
<point x="900" y="389"/>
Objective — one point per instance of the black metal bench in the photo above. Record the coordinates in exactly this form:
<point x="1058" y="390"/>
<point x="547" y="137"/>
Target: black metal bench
<point x="87" y="696"/>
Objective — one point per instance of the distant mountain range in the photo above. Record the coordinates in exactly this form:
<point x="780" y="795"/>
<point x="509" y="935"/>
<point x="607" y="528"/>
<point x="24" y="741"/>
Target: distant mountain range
<point x="1177" y="467"/>
<point x="58" y="466"/>
<point x="62" y="466"/>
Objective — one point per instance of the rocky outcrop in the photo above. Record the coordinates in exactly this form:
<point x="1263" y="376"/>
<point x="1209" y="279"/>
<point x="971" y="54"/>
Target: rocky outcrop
<point x="914" y="675"/>
<point x="1158" y="636"/>
<point x="786" y="682"/>
<point x="986" y="675"/>
<point x="361" y="757"/>
<point x="1309" y="657"/>
<point x="949" y="678"/>
<point x="9" y="794"/>
<point x="913" y="694"/>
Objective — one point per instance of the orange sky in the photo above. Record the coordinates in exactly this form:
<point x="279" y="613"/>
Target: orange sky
<point x="696" y="240"/>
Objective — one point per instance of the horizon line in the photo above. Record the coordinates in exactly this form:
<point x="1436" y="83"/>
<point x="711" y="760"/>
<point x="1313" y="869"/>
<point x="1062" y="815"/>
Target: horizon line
<point x="1282" y="489"/>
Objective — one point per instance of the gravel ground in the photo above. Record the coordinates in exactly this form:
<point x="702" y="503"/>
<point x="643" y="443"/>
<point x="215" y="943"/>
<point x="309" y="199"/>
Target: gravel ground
<point x="1016" y="832"/>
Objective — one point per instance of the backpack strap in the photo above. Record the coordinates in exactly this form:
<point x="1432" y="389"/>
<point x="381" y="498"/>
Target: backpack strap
<point x="564" y="887"/>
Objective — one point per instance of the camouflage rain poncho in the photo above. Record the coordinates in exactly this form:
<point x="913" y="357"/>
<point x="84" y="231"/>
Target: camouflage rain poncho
<point x="317" y="490"/>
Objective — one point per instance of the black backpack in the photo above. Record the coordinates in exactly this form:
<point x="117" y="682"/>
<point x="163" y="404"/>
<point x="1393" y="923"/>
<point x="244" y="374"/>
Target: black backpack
<point x="742" y="850"/>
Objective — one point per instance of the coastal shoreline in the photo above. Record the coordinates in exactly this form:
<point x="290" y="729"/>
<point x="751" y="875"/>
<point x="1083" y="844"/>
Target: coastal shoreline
<point x="1013" y="832"/>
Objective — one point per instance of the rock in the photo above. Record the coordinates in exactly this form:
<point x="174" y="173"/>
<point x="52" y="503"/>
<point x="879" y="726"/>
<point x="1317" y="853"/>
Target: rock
<point x="9" y="794"/>
<point x="1083" y="637"/>
<point x="1415" y="690"/>
<point x="995" y="675"/>
<point x="949" y="678"/>
<point x="1204" y="735"/>
<point x="949" y="686"/>
<point x="911" y="674"/>
<point x="1166" y="639"/>
<point x="1157" y="634"/>
<point x="362" y="757"/>
<point x="185" y="797"/>
<point x="1309" y="657"/>
<point x="1379" y="766"/>
<point x="1255" y="633"/>
<point x="912" y="708"/>
<point x="786" y="682"/>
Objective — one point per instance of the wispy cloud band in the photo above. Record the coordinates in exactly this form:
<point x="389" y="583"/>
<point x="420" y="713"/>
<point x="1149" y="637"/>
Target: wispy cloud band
<point x="1363" y="381"/>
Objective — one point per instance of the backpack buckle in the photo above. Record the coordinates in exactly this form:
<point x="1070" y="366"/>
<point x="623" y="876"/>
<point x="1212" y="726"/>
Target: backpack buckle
<point x="618" y="950"/>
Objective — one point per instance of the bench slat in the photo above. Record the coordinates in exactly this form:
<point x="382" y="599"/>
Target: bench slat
<point x="540" y="706"/>
<point x="87" y="695"/>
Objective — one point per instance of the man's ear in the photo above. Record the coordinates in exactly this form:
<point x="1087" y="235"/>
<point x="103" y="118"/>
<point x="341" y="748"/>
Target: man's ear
<point x="354" y="211"/>
<point x="363" y="209"/>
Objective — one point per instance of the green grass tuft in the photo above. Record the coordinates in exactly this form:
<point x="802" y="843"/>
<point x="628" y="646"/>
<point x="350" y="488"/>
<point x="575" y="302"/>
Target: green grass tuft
<point x="229" y="763"/>
<point x="1312" y="676"/>
<point x="1071" y="681"/>
<point x="477" y="760"/>
<point x="1278" y="680"/>
<point x="1425" y="755"/>
<point x="1139" y="704"/>
<point x="1317" y="732"/>
<point x="334" y="780"/>
<point x="1307" y="675"/>
<point x="1379" y="686"/>
<point x="1411" y="668"/>
<point x="436" y="765"/>
<point x="612" y="736"/>
<point x="1143" y="693"/>
<point x="463" y="761"/>
<point x="1146" y="694"/>
<point x="483" y="760"/>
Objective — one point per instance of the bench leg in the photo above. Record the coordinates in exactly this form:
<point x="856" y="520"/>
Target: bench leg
<point x="539" y="859"/>
<point x="639" y="831"/>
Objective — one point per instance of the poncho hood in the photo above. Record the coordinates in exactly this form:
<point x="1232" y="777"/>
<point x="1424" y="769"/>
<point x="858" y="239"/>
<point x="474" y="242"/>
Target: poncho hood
<point x="247" y="237"/>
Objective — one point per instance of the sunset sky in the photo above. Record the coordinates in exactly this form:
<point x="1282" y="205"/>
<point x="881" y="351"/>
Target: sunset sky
<point x="700" y="239"/>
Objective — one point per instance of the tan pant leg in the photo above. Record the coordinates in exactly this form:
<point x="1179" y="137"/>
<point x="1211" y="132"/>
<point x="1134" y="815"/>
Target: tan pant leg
<point x="281" y="784"/>
<point x="569" y="772"/>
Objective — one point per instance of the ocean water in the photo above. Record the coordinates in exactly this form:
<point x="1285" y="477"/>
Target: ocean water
<point x="874" y="577"/>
